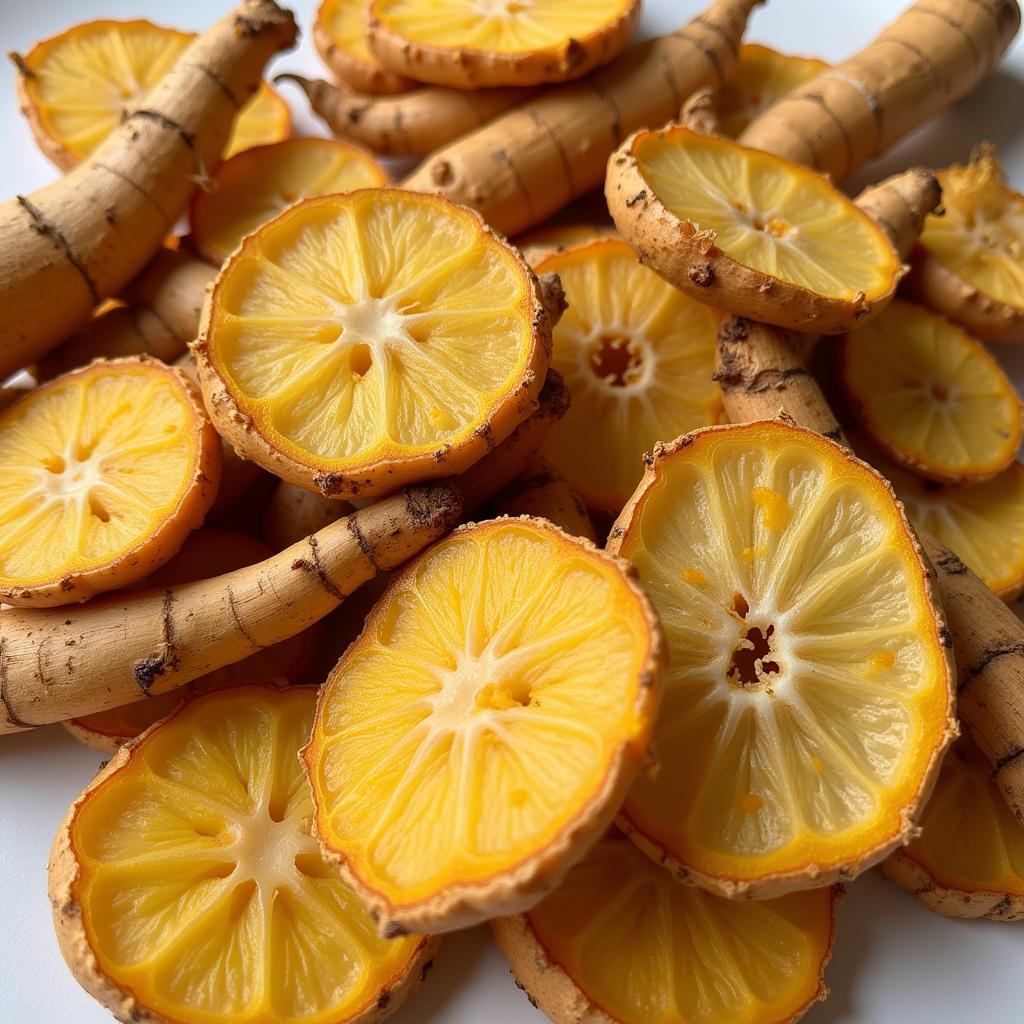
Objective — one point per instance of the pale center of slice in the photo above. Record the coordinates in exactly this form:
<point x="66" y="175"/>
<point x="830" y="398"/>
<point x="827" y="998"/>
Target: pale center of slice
<point x="472" y="694"/>
<point x="369" y="325"/>
<point x="265" y="850"/>
<point x="620" y="358"/>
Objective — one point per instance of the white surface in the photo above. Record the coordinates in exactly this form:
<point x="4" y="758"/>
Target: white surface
<point x="895" y="962"/>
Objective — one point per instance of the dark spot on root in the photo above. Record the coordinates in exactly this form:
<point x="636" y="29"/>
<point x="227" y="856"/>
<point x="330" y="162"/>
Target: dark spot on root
<point x="383" y="999"/>
<point x="312" y="565"/>
<point x="148" y="670"/>
<point x="395" y="930"/>
<point x="425" y="969"/>
<point x="736" y="328"/>
<point x="951" y="565"/>
<point x="638" y="198"/>
<point x="702" y="275"/>
<point x="45" y="227"/>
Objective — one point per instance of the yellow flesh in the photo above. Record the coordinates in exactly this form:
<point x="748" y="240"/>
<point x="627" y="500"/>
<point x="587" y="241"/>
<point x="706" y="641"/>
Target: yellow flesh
<point x="377" y="325"/>
<point x="762" y="77"/>
<point x="763" y="528"/>
<point x="638" y="356"/>
<point x="649" y="950"/>
<point x="970" y="841"/>
<point x="499" y="26"/>
<point x="768" y="214"/>
<point x="255" y="187"/>
<point x="343" y="20"/>
<point x="478" y="716"/>
<point x="86" y="78"/>
<point x="931" y="395"/>
<point x="94" y="464"/>
<point x="200" y="888"/>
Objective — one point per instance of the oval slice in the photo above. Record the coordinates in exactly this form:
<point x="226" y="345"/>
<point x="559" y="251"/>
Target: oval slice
<point x="749" y="232"/>
<point x="480" y="734"/>
<point x="638" y="356"/>
<point x="187" y="889"/>
<point x="340" y="39"/>
<point x="622" y="942"/>
<point x="809" y="696"/>
<point x="107" y="470"/>
<point x="360" y="342"/>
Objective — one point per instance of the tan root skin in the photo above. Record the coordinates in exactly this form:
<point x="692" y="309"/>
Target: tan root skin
<point x="540" y="492"/>
<point x="365" y="75"/>
<point x="515" y="170"/>
<point x="68" y="662"/>
<point x="294" y="513"/>
<point x="75" y="242"/>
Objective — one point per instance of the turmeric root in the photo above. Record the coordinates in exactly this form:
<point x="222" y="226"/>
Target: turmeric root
<point x="293" y="513"/>
<point x="83" y="238"/>
<point x="541" y="492"/>
<point x="932" y="55"/>
<point x="526" y="164"/>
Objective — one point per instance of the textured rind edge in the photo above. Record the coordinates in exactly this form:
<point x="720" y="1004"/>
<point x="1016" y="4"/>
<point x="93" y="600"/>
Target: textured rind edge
<point x="62" y="873"/>
<point x="690" y="260"/>
<point x="94" y="740"/>
<point x="550" y="988"/>
<point x="164" y="542"/>
<point x="364" y="76"/>
<point x="526" y="883"/>
<point x="379" y="478"/>
<point x="810" y="876"/>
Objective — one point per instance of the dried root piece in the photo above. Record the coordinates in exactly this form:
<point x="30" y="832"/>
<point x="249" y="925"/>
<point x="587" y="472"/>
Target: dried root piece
<point x="360" y="342"/>
<point x="255" y="186"/>
<point x="186" y="888"/>
<point x="570" y="955"/>
<point x="340" y="38"/>
<point x="106" y="471"/>
<point x="969" y="859"/>
<point x="542" y="493"/>
<point x="293" y="513"/>
<point x="809" y="698"/>
<point x="638" y="357"/>
<point x="931" y="396"/>
<point x="748" y="232"/>
<point x="523" y="713"/>
<point x="543" y="241"/>
<point x="970" y="264"/>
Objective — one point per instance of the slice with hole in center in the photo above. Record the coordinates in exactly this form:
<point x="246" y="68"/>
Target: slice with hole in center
<point x="809" y="696"/>
<point x="254" y="186"/>
<point x="622" y="942"/>
<point x="931" y="396"/>
<point x="360" y="342"/>
<point x="749" y="232"/>
<point x="106" y="470"/>
<point x="480" y="734"/>
<point x="187" y="889"/>
<point x="968" y="860"/>
<point x="341" y="41"/>
<point x="638" y="356"/>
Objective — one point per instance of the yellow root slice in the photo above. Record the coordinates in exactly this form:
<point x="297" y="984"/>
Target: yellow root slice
<point x="809" y="696"/>
<point x="340" y="39"/>
<point x="186" y="887"/>
<point x="251" y="188"/>
<point x="106" y="471"/>
<point x="461" y="762"/>
<point x="931" y="396"/>
<point x="622" y="942"/>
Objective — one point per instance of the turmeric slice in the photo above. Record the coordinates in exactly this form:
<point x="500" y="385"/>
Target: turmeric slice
<point x="340" y="39"/>
<point x="748" y="232"/>
<point x="690" y="958"/>
<point x="809" y="697"/>
<point x="358" y="342"/>
<point x="468" y="45"/>
<point x="462" y="760"/>
<point x="106" y="472"/>
<point x="187" y="890"/>
<point x="931" y="396"/>
<point x="543" y="241"/>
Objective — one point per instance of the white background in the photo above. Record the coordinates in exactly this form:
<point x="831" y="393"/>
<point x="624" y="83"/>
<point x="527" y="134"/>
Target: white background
<point x="895" y="962"/>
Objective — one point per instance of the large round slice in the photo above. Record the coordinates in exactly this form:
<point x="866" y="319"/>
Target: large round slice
<point x="186" y="888"/>
<point x="105" y="472"/>
<point x="809" y="696"/>
<point x="622" y="942"/>
<point x="931" y="396"/>
<point x="75" y="87"/>
<point x="480" y="734"/>
<point x="638" y="356"/>
<point x="749" y="232"/>
<point x="360" y="342"/>
<point x="469" y="44"/>
<point x="340" y="38"/>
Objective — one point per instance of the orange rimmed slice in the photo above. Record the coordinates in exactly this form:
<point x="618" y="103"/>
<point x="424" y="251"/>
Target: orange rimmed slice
<point x="76" y="86"/>
<point x="809" y="696"/>
<point x="340" y="39"/>
<point x="254" y="186"/>
<point x="931" y="396"/>
<point x="638" y="356"/>
<point x="360" y="342"/>
<point x="622" y="942"/>
<point x="187" y="889"/>
<point x="479" y="735"/>
<point x="749" y="232"/>
<point x="106" y="470"/>
<point x="968" y="860"/>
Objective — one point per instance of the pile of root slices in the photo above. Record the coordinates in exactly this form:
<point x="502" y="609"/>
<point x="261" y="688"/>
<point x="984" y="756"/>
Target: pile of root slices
<point x="422" y="555"/>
